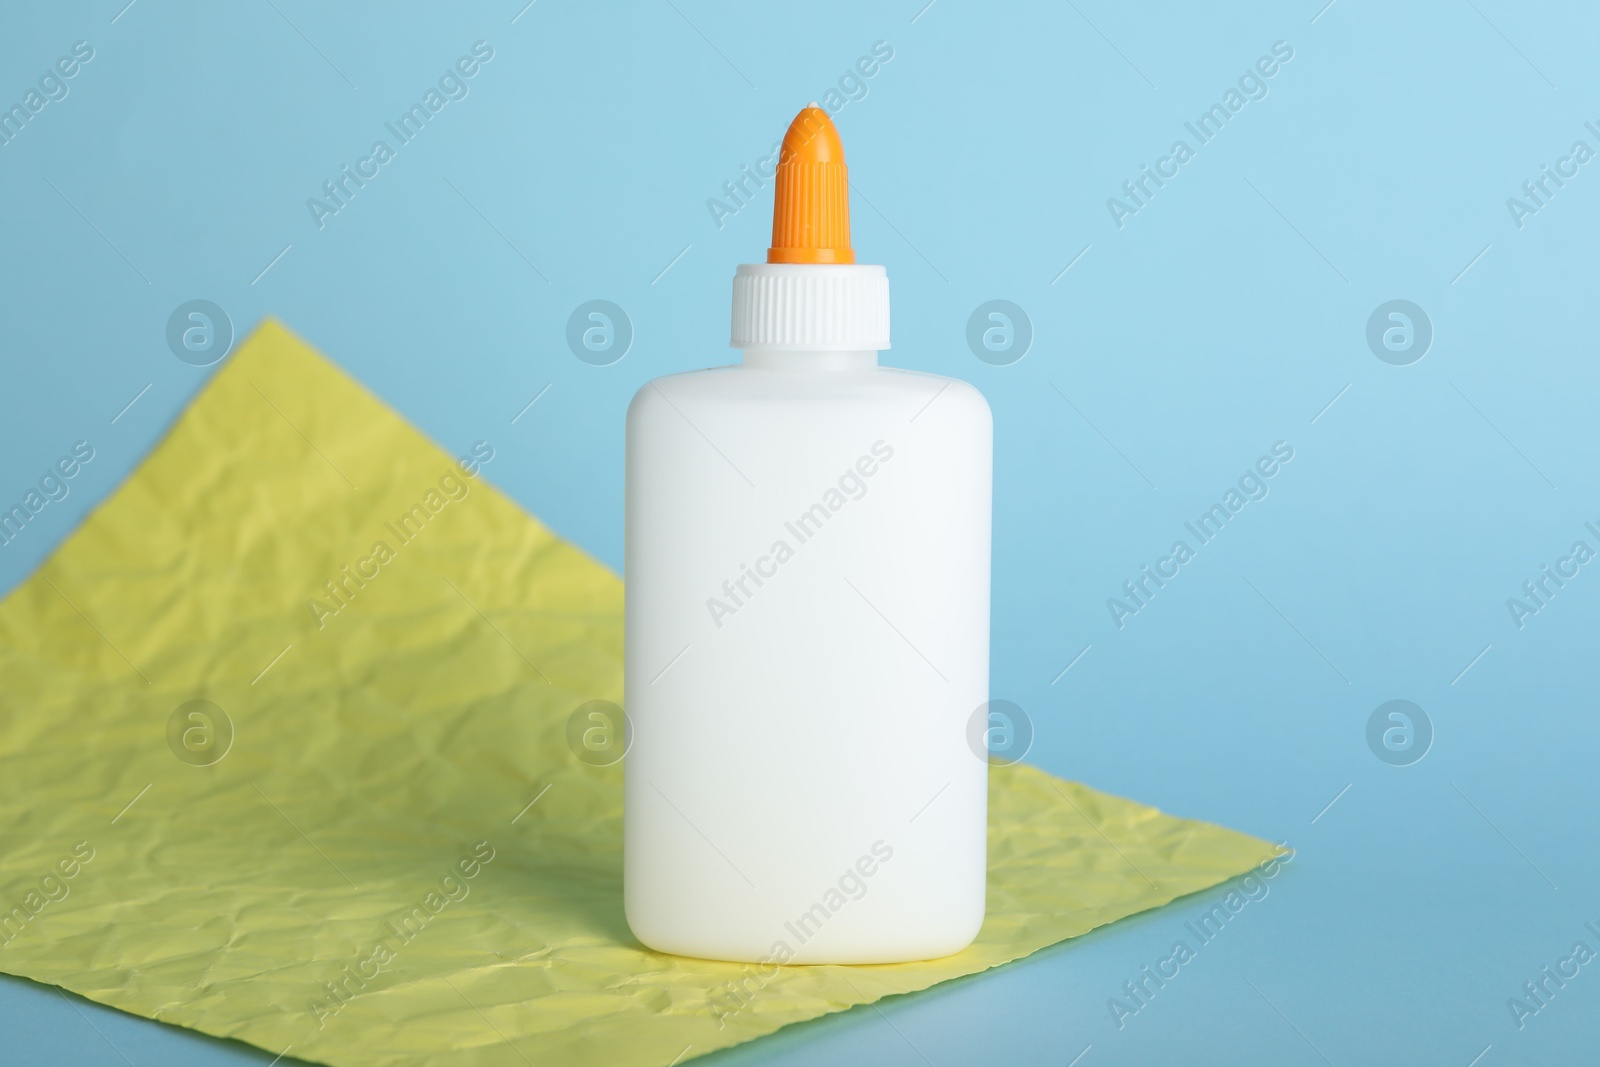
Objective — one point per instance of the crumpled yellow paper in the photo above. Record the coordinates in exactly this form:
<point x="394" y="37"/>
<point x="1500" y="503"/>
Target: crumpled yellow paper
<point x="381" y="849"/>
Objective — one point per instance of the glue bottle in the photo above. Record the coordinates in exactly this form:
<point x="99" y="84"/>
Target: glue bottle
<point x="807" y="632"/>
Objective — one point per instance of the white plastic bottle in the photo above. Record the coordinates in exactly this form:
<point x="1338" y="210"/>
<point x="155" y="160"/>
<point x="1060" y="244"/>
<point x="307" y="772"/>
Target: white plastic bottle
<point x="807" y="635"/>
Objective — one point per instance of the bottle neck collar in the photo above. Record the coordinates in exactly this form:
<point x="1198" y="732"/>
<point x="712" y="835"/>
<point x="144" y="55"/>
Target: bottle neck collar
<point x="810" y="361"/>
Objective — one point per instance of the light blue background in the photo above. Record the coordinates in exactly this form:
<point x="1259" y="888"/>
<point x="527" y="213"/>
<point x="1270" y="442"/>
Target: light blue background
<point x="1221" y="318"/>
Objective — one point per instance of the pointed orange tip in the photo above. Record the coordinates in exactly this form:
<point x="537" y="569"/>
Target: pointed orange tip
<point x="811" y="206"/>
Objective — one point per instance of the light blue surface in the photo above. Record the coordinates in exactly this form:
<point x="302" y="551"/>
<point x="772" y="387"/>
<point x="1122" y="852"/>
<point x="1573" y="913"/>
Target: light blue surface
<point x="1224" y="316"/>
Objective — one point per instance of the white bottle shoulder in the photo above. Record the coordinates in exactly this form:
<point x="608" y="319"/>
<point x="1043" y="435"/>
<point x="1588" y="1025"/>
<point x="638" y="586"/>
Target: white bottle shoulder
<point x="874" y="386"/>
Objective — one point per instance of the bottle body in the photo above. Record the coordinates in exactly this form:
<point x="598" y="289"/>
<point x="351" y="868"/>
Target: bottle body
<point x="807" y="641"/>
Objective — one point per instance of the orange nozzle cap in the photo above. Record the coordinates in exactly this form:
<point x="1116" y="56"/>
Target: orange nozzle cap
<point x="811" y="207"/>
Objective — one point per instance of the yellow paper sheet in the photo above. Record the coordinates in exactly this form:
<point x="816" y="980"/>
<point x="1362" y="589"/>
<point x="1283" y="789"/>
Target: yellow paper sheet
<point x="382" y="750"/>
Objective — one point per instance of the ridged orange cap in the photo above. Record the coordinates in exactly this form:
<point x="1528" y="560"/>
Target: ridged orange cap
<point x="811" y="207"/>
